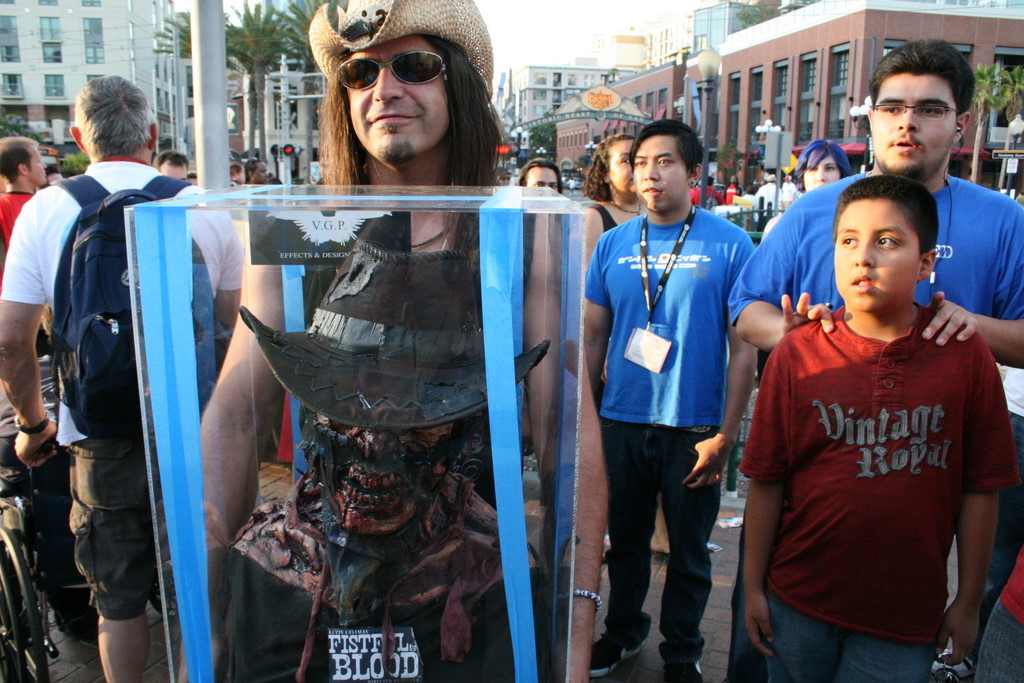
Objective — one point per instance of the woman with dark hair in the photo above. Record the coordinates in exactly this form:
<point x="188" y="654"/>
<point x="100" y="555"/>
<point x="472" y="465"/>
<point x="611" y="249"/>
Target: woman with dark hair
<point x="609" y="182"/>
<point x="822" y="162"/>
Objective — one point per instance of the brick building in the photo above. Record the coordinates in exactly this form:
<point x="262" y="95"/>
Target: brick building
<point x="804" y="70"/>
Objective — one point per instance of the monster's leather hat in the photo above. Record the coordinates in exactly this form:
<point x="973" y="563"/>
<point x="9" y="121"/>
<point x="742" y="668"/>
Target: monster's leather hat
<point x="371" y="22"/>
<point x="395" y="344"/>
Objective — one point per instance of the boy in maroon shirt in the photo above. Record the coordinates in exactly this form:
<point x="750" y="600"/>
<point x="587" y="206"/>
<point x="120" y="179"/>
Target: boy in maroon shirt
<point x="869" y="448"/>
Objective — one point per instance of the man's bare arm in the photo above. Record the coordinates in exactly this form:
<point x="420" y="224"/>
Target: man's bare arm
<point x="591" y="520"/>
<point x="713" y="453"/>
<point x="975" y="533"/>
<point x="761" y="519"/>
<point x="19" y="375"/>
<point x="597" y="327"/>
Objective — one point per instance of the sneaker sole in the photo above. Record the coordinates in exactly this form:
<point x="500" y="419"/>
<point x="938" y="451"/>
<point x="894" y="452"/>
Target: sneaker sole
<point x="598" y="673"/>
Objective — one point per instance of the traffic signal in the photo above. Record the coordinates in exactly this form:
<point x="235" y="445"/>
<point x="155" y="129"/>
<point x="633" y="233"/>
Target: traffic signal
<point x="504" y="149"/>
<point x="288" y="149"/>
<point x="273" y="150"/>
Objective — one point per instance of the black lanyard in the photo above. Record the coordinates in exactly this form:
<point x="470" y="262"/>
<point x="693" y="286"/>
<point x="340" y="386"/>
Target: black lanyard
<point x="683" y="232"/>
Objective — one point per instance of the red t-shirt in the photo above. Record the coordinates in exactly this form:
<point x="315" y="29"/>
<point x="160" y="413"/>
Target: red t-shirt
<point x="10" y="207"/>
<point x="1013" y="595"/>
<point x="876" y="443"/>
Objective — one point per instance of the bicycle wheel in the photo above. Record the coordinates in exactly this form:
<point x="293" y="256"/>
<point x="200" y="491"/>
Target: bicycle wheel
<point x="22" y="647"/>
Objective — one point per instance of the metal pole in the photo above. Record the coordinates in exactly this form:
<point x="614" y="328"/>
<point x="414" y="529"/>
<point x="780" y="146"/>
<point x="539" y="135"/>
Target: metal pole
<point x="284" y="162"/>
<point x="209" y="59"/>
<point x="708" y="86"/>
<point x="179" y="95"/>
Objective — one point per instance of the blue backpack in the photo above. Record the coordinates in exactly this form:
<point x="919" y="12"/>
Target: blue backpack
<point x="93" y="342"/>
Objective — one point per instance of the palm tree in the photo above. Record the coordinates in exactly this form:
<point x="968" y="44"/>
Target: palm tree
<point x="165" y="36"/>
<point x="1011" y="87"/>
<point x="987" y="98"/>
<point x="255" y="43"/>
<point x="297" y="18"/>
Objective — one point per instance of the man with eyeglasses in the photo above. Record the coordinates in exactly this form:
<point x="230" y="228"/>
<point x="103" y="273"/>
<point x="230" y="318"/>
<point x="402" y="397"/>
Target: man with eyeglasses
<point x="407" y="104"/>
<point x="922" y="94"/>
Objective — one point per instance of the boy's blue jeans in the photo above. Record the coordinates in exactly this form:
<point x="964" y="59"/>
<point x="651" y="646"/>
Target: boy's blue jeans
<point x="643" y="460"/>
<point x="811" y="651"/>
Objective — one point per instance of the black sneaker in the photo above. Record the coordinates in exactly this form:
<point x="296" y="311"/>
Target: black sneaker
<point x="606" y="654"/>
<point x="683" y="672"/>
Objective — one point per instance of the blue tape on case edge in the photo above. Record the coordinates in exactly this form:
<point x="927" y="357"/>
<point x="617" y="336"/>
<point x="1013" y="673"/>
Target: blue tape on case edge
<point x="291" y="287"/>
<point x="500" y="247"/>
<point x="164" y="258"/>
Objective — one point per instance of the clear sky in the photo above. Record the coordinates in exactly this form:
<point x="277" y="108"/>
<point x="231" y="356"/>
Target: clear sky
<point x="551" y="31"/>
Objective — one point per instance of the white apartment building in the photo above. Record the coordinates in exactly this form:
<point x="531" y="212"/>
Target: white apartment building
<point x="49" y="49"/>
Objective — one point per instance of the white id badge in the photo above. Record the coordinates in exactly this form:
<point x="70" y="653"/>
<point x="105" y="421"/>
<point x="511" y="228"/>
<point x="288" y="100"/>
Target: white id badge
<point x="647" y="349"/>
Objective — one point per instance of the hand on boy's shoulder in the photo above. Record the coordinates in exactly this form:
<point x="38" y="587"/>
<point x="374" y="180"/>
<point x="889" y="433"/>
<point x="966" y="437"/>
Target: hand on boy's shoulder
<point x="804" y="313"/>
<point x="950" y="319"/>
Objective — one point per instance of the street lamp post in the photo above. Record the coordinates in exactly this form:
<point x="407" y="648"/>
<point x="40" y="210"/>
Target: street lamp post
<point x="541" y="152"/>
<point x="773" y="149"/>
<point x="1015" y="129"/>
<point x="859" y="119"/>
<point x="708" y="63"/>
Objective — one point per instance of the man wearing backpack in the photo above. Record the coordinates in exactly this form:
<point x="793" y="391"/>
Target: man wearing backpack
<point x="111" y="514"/>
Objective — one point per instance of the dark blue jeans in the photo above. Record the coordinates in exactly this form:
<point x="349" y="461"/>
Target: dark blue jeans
<point x="642" y="461"/>
<point x="1009" y="535"/>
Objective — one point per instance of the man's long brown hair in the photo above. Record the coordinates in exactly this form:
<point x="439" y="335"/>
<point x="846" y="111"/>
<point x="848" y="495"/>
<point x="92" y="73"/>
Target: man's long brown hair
<point x="474" y="131"/>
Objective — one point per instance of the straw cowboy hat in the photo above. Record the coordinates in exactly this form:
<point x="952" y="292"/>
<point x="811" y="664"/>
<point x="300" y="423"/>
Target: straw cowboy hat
<point x="395" y="344"/>
<point x="371" y="22"/>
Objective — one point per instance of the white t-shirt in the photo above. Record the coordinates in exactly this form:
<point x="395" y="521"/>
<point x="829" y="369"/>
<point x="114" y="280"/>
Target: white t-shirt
<point x="46" y="220"/>
<point x="1013" y="384"/>
<point x="768" y="191"/>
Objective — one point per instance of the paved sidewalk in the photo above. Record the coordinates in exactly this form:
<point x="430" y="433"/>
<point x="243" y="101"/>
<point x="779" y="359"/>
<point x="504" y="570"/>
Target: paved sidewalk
<point x="79" y="662"/>
<point x="646" y="666"/>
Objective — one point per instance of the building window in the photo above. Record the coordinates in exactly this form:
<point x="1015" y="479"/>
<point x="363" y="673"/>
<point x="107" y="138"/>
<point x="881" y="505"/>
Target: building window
<point x="837" y="106"/>
<point x="540" y="95"/>
<point x="12" y="85"/>
<point x="9" y="40"/>
<point x="840" y="69"/>
<point x="54" y="85"/>
<point x="810" y="75"/>
<point x="539" y="110"/>
<point x="806" y="126"/>
<point x="540" y="79"/>
<point x="47" y="2"/>
<point x="93" y="29"/>
<point x="51" y="53"/>
<point x="6" y="2"/>
<point x="556" y="79"/>
<point x="570" y="79"/>
<point x="756" y="85"/>
<point x="781" y="88"/>
<point x="92" y="3"/>
<point x="732" y="121"/>
<point x="49" y="28"/>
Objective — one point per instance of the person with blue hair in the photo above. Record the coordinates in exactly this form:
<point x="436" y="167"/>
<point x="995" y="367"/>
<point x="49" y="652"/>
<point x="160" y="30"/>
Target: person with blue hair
<point x="822" y="162"/>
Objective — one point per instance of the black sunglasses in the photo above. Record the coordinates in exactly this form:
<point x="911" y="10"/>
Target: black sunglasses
<point x="414" y="68"/>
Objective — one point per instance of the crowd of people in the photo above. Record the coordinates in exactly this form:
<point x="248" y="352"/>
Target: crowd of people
<point x="883" y="432"/>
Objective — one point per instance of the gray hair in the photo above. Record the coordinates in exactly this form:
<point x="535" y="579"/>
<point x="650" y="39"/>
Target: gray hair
<point x="113" y="116"/>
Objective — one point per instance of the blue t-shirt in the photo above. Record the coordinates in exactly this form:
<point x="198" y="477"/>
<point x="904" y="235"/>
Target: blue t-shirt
<point x="980" y="263"/>
<point x="692" y="313"/>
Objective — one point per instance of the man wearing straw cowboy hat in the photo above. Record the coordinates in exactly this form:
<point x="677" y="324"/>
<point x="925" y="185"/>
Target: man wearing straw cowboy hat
<point x="396" y="69"/>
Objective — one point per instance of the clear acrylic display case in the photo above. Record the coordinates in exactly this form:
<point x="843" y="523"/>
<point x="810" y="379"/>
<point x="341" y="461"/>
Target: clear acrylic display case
<point x="405" y="510"/>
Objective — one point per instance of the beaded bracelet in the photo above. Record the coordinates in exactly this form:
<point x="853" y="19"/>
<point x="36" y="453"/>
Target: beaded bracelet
<point x="589" y="595"/>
